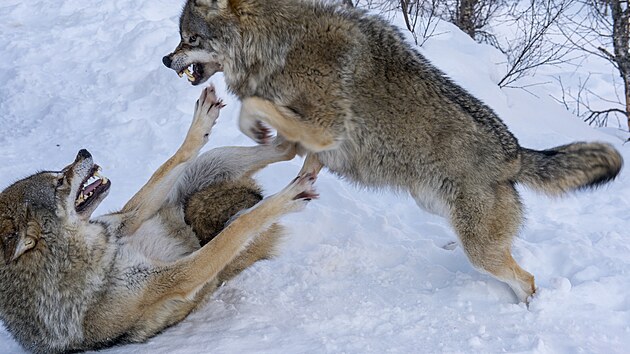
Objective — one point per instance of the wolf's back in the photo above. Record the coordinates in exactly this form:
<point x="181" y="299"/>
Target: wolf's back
<point x="569" y="167"/>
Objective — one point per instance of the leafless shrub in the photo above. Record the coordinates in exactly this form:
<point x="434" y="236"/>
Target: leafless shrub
<point x="602" y="28"/>
<point x="474" y="17"/>
<point x="421" y="18"/>
<point x="535" y="43"/>
<point x="348" y="3"/>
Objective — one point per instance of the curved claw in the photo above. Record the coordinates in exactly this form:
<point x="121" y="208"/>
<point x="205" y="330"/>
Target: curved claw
<point x="262" y="133"/>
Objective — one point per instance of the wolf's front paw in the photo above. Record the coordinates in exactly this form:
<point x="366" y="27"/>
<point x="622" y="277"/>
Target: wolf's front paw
<point x="207" y="110"/>
<point x="255" y="129"/>
<point x="298" y="193"/>
<point x="259" y="132"/>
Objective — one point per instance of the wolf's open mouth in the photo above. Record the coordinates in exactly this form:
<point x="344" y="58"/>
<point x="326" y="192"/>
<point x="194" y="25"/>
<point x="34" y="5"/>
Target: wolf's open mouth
<point x="194" y="72"/>
<point x="91" y="188"/>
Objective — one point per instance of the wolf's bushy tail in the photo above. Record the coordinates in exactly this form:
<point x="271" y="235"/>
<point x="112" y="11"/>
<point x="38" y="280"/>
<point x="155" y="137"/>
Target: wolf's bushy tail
<point x="569" y="167"/>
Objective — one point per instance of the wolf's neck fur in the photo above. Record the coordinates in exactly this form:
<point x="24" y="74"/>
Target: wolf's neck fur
<point x="268" y="29"/>
<point x="76" y="267"/>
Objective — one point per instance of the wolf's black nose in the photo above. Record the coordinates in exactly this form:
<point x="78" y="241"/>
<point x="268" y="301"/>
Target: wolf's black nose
<point x="167" y="61"/>
<point x="84" y="154"/>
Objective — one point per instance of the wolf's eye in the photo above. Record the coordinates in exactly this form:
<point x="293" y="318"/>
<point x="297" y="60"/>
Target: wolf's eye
<point x="193" y="39"/>
<point x="60" y="182"/>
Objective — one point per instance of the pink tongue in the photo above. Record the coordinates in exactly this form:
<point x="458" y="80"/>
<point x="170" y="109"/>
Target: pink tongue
<point x="91" y="187"/>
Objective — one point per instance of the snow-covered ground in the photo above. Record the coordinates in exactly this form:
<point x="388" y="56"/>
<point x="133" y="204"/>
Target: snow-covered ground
<point x="361" y="271"/>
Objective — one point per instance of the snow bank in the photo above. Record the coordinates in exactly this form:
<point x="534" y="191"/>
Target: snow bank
<point x="360" y="271"/>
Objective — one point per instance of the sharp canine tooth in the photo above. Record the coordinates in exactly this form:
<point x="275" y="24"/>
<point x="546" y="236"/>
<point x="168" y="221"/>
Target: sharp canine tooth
<point x="189" y="74"/>
<point x="181" y="74"/>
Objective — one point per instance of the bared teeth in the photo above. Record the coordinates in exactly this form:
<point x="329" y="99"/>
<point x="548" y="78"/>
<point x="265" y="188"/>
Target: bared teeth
<point x="80" y="199"/>
<point x="82" y="196"/>
<point x="191" y="77"/>
<point x="103" y="179"/>
<point x="189" y="71"/>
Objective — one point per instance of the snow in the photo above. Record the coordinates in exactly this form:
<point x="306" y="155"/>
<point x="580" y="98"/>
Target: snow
<point x="360" y="271"/>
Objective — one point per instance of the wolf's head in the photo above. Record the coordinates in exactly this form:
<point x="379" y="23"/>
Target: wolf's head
<point x="34" y="209"/>
<point x="207" y="28"/>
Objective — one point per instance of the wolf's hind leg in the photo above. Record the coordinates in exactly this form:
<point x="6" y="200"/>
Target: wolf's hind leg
<point x="256" y="158"/>
<point x="486" y="223"/>
<point x="228" y="164"/>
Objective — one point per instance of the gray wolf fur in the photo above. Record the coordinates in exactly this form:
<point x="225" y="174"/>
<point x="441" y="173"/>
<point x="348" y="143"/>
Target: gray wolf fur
<point x="360" y="101"/>
<point x="71" y="283"/>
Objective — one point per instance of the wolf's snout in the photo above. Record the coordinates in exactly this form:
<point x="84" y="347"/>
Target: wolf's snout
<point x="83" y="154"/>
<point x="167" y="61"/>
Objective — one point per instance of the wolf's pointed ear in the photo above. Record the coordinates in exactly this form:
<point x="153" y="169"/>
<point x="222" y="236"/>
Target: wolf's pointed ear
<point x="15" y="240"/>
<point x="28" y="239"/>
<point x="24" y="244"/>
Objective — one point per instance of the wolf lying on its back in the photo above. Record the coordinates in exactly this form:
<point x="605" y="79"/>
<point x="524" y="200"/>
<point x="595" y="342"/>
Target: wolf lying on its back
<point x="68" y="283"/>
<point x="362" y="102"/>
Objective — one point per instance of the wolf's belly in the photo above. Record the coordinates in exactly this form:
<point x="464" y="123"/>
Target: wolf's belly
<point x="425" y="179"/>
<point x="369" y="168"/>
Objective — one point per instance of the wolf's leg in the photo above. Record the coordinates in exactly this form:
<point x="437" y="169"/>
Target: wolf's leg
<point x="227" y="164"/>
<point x="249" y="160"/>
<point x="486" y="222"/>
<point x="287" y="123"/>
<point x="176" y="284"/>
<point x="263" y="247"/>
<point x="152" y="195"/>
<point x="311" y="165"/>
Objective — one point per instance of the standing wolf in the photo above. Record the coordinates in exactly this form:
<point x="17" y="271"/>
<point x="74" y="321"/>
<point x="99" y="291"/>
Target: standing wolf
<point x="68" y="283"/>
<point x="346" y="87"/>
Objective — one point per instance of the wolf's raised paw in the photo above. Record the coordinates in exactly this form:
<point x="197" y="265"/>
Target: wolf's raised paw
<point x="207" y="110"/>
<point x="261" y="133"/>
<point x="305" y="183"/>
<point x="299" y="192"/>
